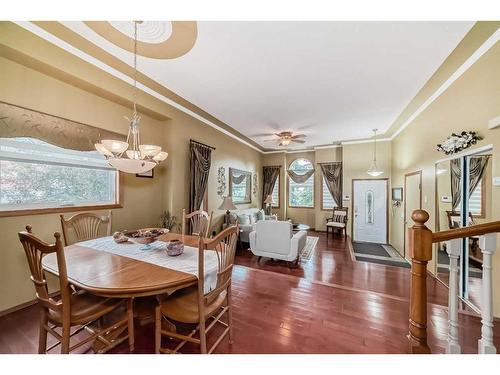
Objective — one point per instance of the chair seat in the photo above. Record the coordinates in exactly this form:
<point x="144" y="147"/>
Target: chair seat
<point x="182" y="306"/>
<point x="335" y="224"/>
<point x="85" y="308"/>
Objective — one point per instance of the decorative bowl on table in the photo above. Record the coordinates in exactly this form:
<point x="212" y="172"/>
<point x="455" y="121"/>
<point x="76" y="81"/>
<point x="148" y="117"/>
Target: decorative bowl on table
<point x="145" y="236"/>
<point x="175" y="247"/>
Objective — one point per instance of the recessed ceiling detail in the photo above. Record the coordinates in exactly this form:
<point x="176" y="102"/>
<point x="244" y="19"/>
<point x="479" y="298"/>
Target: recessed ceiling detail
<point x="155" y="39"/>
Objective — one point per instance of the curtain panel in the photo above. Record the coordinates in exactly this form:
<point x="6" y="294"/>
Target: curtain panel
<point x="333" y="179"/>
<point x="200" y="161"/>
<point x="270" y="175"/>
<point x="477" y="167"/>
<point x="22" y="122"/>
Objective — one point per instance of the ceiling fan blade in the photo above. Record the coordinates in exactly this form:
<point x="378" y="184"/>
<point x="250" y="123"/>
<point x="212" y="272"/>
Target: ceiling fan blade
<point x="298" y="140"/>
<point x="262" y="135"/>
<point x="299" y="136"/>
<point x="270" y="140"/>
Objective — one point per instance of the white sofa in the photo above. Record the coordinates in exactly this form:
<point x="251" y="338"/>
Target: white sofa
<point x="247" y="218"/>
<point x="275" y="239"/>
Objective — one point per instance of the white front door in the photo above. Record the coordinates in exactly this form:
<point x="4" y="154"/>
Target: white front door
<point x="370" y="211"/>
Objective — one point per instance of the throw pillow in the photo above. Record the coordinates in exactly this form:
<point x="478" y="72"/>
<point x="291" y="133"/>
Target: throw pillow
<point x="338" y="218"/>
<point x="261" y="215"/>
<point x="254" y="218"/>
<point x="233" y="217"/>
<point x="243" y="219"/>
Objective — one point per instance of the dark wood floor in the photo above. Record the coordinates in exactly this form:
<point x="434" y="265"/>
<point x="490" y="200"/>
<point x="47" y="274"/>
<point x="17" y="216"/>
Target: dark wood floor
<point x="329" y="304"/>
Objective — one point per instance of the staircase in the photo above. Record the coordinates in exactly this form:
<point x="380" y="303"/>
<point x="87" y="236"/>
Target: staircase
<point x="421" y="240"/>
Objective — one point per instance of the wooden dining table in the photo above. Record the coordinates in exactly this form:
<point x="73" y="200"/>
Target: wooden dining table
<point x="110" y="275"/>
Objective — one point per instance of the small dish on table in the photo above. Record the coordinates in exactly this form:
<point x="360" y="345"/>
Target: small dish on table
<point x="145" y="236"/>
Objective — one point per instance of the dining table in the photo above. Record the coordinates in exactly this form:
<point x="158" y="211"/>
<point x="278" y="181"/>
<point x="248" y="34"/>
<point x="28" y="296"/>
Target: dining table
<point x="104" y="268"/>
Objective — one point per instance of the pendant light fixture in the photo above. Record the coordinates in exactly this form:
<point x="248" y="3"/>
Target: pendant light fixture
<point x="132" y="156"/>
<point x="374" y="171"/>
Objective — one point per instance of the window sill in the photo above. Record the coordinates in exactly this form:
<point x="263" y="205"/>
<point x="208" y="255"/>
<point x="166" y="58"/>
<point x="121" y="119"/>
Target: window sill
<point x="53" y="210"/>
<point x="310" y="208"/>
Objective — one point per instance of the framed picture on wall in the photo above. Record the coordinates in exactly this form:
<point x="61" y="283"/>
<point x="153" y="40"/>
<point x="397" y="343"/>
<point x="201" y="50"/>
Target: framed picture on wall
<point x="148" y="174"/>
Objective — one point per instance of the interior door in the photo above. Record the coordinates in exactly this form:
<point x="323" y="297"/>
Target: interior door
<point x="413" y="201"/>
<point x="370" y="211"/>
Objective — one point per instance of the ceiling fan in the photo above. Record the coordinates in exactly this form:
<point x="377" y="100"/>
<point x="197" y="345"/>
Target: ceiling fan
<point x="285" y="138"/>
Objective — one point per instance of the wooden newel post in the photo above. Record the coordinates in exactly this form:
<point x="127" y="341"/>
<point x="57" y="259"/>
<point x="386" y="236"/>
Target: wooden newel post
<point x="420" y="241"/>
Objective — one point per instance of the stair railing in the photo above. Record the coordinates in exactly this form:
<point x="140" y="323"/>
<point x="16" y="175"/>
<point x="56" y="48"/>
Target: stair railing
<point x="421" y="239"/>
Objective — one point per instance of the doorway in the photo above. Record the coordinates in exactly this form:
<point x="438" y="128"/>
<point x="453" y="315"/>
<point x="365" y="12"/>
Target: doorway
<point x="370" y="213"/>
<point x="412" y="201"/>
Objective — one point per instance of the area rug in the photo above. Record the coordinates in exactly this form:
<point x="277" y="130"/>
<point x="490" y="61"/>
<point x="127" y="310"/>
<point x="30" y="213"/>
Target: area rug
<point x="308" y="250"/>
<point x="377" y="253"/>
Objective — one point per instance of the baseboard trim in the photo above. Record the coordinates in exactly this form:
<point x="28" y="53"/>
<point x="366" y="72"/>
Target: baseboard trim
<point x="24" y="305"/>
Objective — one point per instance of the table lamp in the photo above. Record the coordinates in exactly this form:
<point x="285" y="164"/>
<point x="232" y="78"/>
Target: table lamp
<point x="227" y="204"/>
<point x="269" y="202"/>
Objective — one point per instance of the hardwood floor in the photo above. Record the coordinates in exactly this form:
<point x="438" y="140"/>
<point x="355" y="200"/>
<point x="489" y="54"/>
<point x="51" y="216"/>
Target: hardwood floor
<point x="329" y="304"/>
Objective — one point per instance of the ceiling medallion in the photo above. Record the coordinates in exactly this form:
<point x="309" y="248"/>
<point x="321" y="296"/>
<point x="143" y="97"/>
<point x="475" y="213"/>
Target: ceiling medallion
<point x="180" y="41"/>
<point x="132" y="156"/>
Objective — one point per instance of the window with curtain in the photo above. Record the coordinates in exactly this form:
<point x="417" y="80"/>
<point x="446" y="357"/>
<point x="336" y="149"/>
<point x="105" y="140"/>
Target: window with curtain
<point x="327" y="201"/>
<point x="475" y="201"/>
<point x="301" y="194"/>
<point x="37" y="175"/>
<point x="276" y="193"/>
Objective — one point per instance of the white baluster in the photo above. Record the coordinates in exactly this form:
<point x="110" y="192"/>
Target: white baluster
<point x="453" y="249"/>
<point x="488" y="245"/>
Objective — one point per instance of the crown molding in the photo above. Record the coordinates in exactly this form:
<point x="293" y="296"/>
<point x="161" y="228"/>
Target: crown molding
<point x="367" y="140"/>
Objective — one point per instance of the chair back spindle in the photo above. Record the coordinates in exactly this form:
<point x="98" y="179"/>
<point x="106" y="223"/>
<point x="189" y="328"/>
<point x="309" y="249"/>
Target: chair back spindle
<point x="199" y="223"/>
<point x="35" y="249"/>
<point x="85" y="225"/>
<point x="224" y="246"/>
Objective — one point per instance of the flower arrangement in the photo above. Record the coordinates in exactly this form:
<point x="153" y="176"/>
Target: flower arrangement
<point x="169" y="221"/>
<point x="458" y="142"/>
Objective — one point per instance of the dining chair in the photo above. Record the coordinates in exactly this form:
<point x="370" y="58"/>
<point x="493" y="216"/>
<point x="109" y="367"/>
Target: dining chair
<point x="85" y="225"/>
<point x="72" y="308"/>
<point x="192" y="306"/>
<point x="199" y="222"/>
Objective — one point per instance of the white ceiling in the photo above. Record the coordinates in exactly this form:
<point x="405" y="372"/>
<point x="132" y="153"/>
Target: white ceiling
<point x="333" y="81"/>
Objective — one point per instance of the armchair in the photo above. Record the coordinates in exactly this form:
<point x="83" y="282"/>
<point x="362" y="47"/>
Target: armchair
<point x="275" y="239"/>
<point x="338" y="220"/>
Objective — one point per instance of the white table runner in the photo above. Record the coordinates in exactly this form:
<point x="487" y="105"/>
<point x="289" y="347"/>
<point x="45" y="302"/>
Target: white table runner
<point x="186" y="262"/>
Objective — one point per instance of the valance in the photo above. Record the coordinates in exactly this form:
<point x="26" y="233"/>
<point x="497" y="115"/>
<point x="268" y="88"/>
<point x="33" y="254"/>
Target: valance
<point x="17" y="121"/>
<point x="300" y="178"/>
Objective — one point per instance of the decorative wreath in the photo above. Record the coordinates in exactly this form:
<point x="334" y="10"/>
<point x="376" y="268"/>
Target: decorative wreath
<point x="458" y="142"/>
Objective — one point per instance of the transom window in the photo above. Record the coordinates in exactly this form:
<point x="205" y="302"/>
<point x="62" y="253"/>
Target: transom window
<point x="37" y="175"/>
<point x="301" y="194"/>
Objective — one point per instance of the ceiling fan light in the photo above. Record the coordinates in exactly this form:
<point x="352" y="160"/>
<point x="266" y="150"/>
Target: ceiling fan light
<point x="115" y="147"/>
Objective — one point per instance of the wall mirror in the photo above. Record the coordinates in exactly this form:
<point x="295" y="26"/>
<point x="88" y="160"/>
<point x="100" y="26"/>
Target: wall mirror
<point x="240" y="186"/>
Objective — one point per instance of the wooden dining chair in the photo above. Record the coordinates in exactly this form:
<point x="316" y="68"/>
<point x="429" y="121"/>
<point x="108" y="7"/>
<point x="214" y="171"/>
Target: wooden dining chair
<point x="72" y="308"/>
<point x="199" y="223"/>
<point x="85" y="225"/>
<point x="192" y="305"/>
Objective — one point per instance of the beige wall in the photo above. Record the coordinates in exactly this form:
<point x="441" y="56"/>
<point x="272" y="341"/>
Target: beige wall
<point x="357" y="159"/>
<point x="144" y="199"/>
<point x="468" y="104"/>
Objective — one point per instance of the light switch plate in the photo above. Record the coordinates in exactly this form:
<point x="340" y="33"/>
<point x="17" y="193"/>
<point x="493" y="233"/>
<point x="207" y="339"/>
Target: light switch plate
<point x="496" y="181"/>
<point x="347" y="197"/>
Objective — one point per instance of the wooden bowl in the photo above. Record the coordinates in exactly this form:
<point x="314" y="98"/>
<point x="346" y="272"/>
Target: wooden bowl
<point x="145" y="236"/>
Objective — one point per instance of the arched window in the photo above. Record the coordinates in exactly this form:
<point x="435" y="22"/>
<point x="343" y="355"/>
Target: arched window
<point x="301" y="188"/>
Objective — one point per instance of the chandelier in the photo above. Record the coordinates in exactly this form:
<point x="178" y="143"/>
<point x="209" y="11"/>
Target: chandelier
<point x="374" y="171"/>
<point x="132" y="156"/>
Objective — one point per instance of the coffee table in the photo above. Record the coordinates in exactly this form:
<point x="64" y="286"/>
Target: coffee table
<point x="299" y="227"/>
